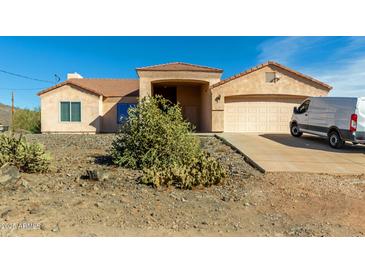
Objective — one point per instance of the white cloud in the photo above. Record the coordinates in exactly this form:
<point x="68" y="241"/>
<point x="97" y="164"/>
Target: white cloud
<point x="342" y="66"/>
<point x="345" y="68"/>
<point x="286" y="49"/>
<point x="347" y="79"/>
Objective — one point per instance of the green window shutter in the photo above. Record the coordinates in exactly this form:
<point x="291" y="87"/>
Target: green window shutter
<point x="65" y="111"/>
<point x="75" y="111"/>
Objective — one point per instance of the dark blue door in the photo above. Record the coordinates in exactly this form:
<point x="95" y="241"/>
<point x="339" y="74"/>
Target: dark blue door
<point x="122" y="111"/>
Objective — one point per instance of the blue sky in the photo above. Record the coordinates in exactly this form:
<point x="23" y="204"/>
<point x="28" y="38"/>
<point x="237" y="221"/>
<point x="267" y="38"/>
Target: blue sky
<point x="338" y="61"/>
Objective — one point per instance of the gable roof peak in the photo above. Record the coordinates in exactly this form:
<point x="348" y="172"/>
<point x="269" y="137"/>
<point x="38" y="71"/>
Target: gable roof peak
<point x="179" y="66"/>
<point x="106" y="87"/>
<point x="273" y="63"/>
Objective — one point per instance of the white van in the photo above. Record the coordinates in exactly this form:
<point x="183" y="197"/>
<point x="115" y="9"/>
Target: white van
<point x="339" y="119"/>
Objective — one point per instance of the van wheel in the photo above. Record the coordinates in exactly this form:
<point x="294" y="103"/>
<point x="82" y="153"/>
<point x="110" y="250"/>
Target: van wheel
<point x="334" y="140"/>
<point x="294" y="130"/>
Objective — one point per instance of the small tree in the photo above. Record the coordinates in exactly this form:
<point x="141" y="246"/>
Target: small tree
<point x="28" y="120"/>
<point x="154" y="134"/>
<point x="28" y="157"/>
<point x="157" y="139"/>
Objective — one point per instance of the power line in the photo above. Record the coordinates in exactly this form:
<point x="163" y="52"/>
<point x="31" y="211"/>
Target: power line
<point x="20" y="89"/>
<point x="27" y="77"/>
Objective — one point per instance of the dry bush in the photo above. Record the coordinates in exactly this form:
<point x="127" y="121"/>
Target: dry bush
<point x="28" y="157"/>
<point x="157" y="139"/>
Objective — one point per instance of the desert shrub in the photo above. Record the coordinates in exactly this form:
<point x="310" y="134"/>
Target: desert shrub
<point x="154" y="135"/>
<point x="203" y="170"/>
<point x="27" y="120"/>
<point x="157" y="139"/>
<point x="28" y="157"/>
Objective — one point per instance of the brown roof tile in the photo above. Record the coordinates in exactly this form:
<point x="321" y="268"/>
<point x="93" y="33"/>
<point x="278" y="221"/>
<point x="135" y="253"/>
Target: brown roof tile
<point x="179" y="66"/>
<point x="104" y="87"/>
<point x="272" y="64"/>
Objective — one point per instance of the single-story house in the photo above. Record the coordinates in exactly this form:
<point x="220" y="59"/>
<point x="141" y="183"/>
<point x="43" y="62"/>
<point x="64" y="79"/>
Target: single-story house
<point x="260" y="99"/>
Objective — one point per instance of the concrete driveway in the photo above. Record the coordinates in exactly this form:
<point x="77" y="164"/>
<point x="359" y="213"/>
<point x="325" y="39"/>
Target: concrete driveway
<point x="284" y="153"/>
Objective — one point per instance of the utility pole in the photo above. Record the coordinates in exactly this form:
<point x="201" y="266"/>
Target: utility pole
<point x="12" y="112"/>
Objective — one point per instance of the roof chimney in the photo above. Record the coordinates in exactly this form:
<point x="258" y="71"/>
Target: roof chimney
<point x="74" y="75"/>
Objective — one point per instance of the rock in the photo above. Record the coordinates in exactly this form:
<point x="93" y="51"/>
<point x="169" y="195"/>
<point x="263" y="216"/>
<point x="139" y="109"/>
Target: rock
<point x="24" y="183"/>
<point x="97" y="175"/>
<point x="9" y="174"/>
<point x="56" y="228"/>
<point x="226" y="199"/>
<point x="173" y="196"/>
<point x="34" y="210"/>
<point x="5" y="213"/>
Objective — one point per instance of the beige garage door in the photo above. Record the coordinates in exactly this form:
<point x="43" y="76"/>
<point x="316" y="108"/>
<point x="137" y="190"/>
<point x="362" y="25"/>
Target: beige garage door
<point x="258" y="114"/>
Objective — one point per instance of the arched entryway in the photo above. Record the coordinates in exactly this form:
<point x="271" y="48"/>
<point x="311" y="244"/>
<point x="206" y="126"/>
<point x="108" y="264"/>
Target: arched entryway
<point x="189" y="94"/>
<point x="186" y="84"/>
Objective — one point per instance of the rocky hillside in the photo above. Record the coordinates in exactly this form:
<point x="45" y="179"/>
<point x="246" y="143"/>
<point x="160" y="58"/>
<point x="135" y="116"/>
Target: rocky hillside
<point x="5" y="114"/>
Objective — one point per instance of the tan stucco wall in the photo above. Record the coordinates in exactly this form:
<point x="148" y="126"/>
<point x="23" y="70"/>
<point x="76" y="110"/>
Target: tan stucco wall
<point x="109" y="113"/>
<point x="206" y="109"/>
<point x="255" y="84"/>
<point x="90" y="111"/>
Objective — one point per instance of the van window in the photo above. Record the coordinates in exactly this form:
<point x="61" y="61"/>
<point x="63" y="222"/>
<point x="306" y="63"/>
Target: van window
<point x="304" y="107"/>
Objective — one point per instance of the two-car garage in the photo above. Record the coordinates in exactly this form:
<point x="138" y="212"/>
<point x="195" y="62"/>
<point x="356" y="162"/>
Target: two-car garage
<point x="261" y="99"/>
<point x="258" y="113"/>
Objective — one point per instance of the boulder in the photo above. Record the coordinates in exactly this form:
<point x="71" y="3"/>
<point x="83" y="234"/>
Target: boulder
<point x="97" y="175"/>
<point x="9" y="174"/>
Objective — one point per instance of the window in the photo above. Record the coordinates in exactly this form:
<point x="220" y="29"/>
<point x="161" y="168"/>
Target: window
<point x="270" y="77"/>
<point x="303" y="107"/>
<point x="122" y="111"/>
<point x="70" y="111"/>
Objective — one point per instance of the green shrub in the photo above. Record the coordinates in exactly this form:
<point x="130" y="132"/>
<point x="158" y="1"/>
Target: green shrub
<point x="203" y="170"/>
<point x="154" y="135"/>
<point x="157" y="139"/>
<point x="27" y="120"/>
<point x="28" y="157"/>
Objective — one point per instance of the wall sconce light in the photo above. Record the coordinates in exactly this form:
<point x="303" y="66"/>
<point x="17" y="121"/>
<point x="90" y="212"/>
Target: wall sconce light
<point x="218" y="98"/>
<point x="277" y="77"/>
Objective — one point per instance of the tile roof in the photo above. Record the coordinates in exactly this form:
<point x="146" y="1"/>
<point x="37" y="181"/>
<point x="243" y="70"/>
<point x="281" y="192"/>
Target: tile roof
<point x="179" y="66"/>
<point x="104" y="87"/>
<point x="271" y="63"/>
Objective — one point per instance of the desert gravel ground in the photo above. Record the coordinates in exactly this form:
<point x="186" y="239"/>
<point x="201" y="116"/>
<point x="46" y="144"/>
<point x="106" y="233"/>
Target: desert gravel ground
<point x="64" y="203"/>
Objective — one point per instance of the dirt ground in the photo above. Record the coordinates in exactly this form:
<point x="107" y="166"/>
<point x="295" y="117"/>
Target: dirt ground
<point x="63" y="203"/>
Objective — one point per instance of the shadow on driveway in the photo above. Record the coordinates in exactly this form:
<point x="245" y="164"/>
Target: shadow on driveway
<point x="312" y="142"/>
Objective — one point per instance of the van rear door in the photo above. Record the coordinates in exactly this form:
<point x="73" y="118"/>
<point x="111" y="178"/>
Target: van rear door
<point x="360" y="111"/>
